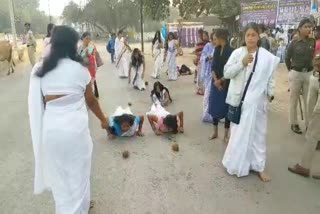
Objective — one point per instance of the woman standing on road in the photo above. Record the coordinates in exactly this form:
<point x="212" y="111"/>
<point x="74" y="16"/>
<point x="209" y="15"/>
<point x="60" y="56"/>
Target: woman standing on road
<point x="157" y="55"/>
<point x="203" y="40"/>
<point x="218" y="108"/>
<point x="206" y="76"/>
<point x="170" y="57"/>
<point x="87" y="51"/>
<point x="249" y="67"/>
<point x="60" y="89"/>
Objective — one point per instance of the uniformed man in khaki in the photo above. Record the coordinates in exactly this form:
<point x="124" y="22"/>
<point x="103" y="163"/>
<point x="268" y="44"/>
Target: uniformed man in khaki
<point x="313" y="131"/>
<point x="299" y="62"/>
<point x="31" y="43"/>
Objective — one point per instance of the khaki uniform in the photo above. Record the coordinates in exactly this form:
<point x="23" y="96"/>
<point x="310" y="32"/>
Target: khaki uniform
<point x="299" y="60"/>
<point x="31" y="46"/>
<point x="313" y="133"/>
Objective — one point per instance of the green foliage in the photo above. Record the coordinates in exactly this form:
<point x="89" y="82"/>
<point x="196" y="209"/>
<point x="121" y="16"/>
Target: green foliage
<point x="117" y="14"/>
<point x="222" y="8"/>
<point x="25" y="11"/>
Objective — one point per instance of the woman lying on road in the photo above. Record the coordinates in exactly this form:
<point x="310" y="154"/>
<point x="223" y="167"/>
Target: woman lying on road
<point x="162" y="121"/>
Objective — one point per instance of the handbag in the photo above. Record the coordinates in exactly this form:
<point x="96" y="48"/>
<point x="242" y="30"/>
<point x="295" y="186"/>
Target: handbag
<point x="234" y="113"/>
<point x="99" y="61"/>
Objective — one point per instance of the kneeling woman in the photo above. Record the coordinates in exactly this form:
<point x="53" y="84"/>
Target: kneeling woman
<point x="124" y="124"/>
<point x="160" y="94"/>
<point x="162" y="121"/>
<point x="138" y="65"/>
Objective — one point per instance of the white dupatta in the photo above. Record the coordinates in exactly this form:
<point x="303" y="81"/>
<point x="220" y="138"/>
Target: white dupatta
<point x="36" y="110"/>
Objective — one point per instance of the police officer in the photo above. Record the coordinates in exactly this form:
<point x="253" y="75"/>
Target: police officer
<point x="313" y="131"/>
<point x="299" y="62"/>
<point x="31" y="43"/>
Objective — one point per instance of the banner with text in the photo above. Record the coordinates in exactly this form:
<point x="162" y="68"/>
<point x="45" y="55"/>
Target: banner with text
<point x="263" y="12"/>
<point x="292" y="11"/>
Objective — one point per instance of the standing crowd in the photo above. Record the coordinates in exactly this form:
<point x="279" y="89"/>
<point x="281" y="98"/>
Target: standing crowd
<point x="235" y="79"/>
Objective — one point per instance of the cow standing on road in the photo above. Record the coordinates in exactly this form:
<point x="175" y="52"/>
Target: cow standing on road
<point x="6" y="55"/>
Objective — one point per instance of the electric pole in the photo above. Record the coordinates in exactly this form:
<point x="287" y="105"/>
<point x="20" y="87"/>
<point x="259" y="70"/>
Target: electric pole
<point x="50" y="19"/>
<point x="141" y="25"/>
<point x="13" y="25"/>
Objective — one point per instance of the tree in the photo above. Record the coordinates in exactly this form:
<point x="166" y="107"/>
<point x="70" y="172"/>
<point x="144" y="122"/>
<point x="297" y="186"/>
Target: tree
<point x="227" y="10"/>
<point x="157" y="9"/>
<point x="116" y="14"/>
<point x="72" y="13"/>
<point x="25" y="11"/>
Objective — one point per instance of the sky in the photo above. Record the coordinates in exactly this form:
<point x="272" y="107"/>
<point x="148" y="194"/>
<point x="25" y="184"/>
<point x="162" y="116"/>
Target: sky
<point x="56" y="6"/>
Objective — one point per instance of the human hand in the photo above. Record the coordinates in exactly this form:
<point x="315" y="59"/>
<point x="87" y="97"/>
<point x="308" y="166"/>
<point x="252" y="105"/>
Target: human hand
<point x="218" y="84"/>
<point x="247" y="59"/>
<point x="111" y="136"/>
<point x="157" y="132"/>
<point x="105" y="124"/>
<point x="139" y="133"/>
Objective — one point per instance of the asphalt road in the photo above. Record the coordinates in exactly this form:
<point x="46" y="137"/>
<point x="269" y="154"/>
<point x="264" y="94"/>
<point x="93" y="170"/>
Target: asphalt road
<point x="155" y="180"/>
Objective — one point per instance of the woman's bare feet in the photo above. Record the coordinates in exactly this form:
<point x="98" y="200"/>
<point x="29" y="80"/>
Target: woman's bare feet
<point x="215" y="133"/>
<point x="92" y="203"/>
<point x="264" y="177"/>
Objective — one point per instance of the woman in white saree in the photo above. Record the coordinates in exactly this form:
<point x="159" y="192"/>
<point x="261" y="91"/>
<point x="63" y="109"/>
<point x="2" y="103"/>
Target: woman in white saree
<point x="157" y="55"/>
<point x="59" y="91"/>
<point x="122" y="59"/>
<point x="247" y="146"/>
<point x="170" y="57"/>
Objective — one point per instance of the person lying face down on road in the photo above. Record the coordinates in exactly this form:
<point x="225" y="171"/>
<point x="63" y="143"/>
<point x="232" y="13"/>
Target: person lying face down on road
<point x="162" y="121"/>
<point x="124" y="124"/>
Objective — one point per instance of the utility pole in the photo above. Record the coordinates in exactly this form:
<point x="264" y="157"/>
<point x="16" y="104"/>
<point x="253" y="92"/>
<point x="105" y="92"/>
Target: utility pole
<point x="141" y="25"/>
<point x="50" y="19"/>
<point x="13" y="25"/>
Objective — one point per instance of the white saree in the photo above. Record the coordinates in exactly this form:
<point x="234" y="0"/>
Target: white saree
<point x="122" y="59"/>
<point x="60" y="135"/>
<point x="158" y="60"/>
<point x="172" y="61"/>
<point x="247" y="146"/>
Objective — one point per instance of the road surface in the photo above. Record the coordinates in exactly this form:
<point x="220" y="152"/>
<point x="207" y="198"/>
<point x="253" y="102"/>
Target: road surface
<point x="154" y="180"/>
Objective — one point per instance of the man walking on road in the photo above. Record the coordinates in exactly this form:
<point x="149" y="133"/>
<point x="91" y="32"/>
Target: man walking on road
<point x="299" y="63"/>
<point x="313" y="132"/>
<point x="31" y="43"/>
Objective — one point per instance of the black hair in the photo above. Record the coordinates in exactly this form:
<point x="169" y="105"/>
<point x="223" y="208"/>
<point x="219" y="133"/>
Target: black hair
<point x="155" y="38"/>
<point x="120" y="32"/>
<point x="64" y="42"/>
<point x="85" y="34"/>
<point x="263" y="28"/>
<point x="161" y="87"/>
<point x="49" y="29"/>
<point x="205" y="33"/>
<point x="171" y="122"/>
<point x="134" y="61"/>
<point x="167" y="40"/>
<point x="27" y="24"/>
<point x="222" y="34"/>
<point x="304" y="21"/>
<point x="253" y="26"/>
<point x="122" y="119"/>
